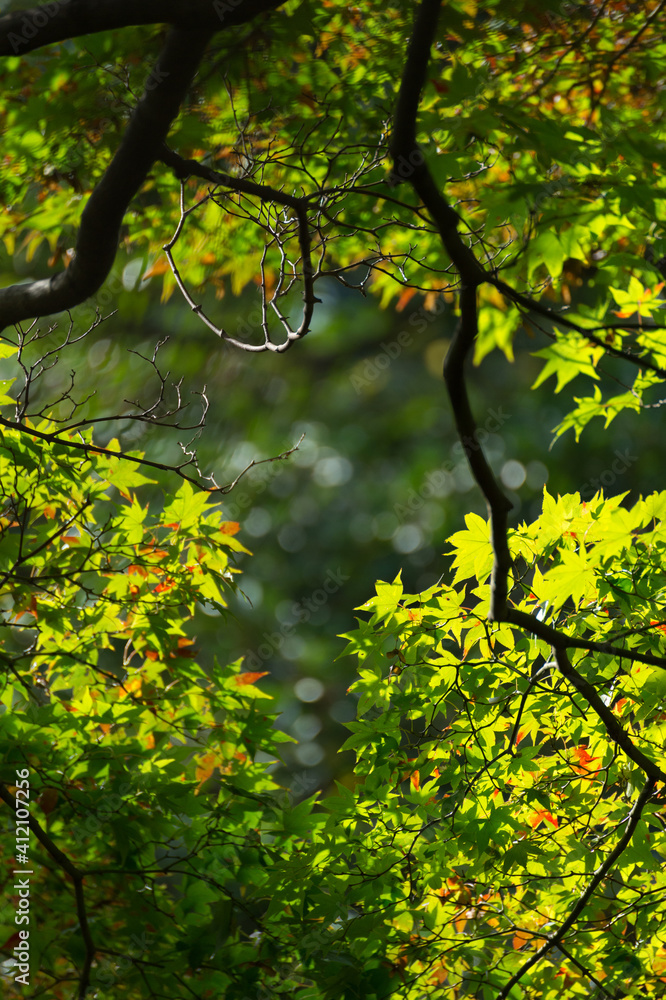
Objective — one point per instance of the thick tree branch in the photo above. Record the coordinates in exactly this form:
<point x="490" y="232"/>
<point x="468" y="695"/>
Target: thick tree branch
<point x="561" y="640"/>
<point x="184" y="168"/>
<point x="498" y="504"/>
<point x="603" y="711"/>
<point x="76" y="876"/>
<point x="600" y="874"/>
<point x="408" y="159"/>
<point x="409" y="163"/>
<point x="60" y="20"/>
<point x="472" y="274"/>
<point x="102" y="217"/>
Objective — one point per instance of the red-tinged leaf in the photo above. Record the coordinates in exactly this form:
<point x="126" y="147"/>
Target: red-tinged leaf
<point x="584" y="760"/>
<point x="540" y="815"/>
<point x="415" y="779"/>
<point x="137" y="570"/>
<point x="185" y="648"/>
<point x="152" y="654"/>
<point x="70" y="539"/>
<point x="250" y="677"/>
<point x="175" y="525"/>
<point x="48" y="800"/>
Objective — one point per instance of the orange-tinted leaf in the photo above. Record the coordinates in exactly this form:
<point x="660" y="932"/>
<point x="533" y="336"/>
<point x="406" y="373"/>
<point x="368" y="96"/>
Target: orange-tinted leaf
<point x="584" y="761"/>
<point x="250" y="677"/>
<point x="129" y="686"/>
<point x="161" y="266"/>
<point x="137" y="570"/>
<point x="520" y="938"/>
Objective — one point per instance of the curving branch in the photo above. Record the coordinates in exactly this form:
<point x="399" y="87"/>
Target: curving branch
<point x="560" y="640"/>
<point x="299" y="205"/>
<point x="408" y="159"/>
<point x="616" y="732"/>
<point x="144" y="137"/>
<point x="102" y="217"/>
<point x="26" y="30"/>
<point x="409" y="164"/>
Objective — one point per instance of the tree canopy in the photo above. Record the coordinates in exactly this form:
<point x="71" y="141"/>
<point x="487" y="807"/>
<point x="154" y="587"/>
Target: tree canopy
<point x="491" y="168"/>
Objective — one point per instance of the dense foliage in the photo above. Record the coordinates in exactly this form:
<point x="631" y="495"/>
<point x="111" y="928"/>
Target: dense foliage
<point x="502" y="835"/>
